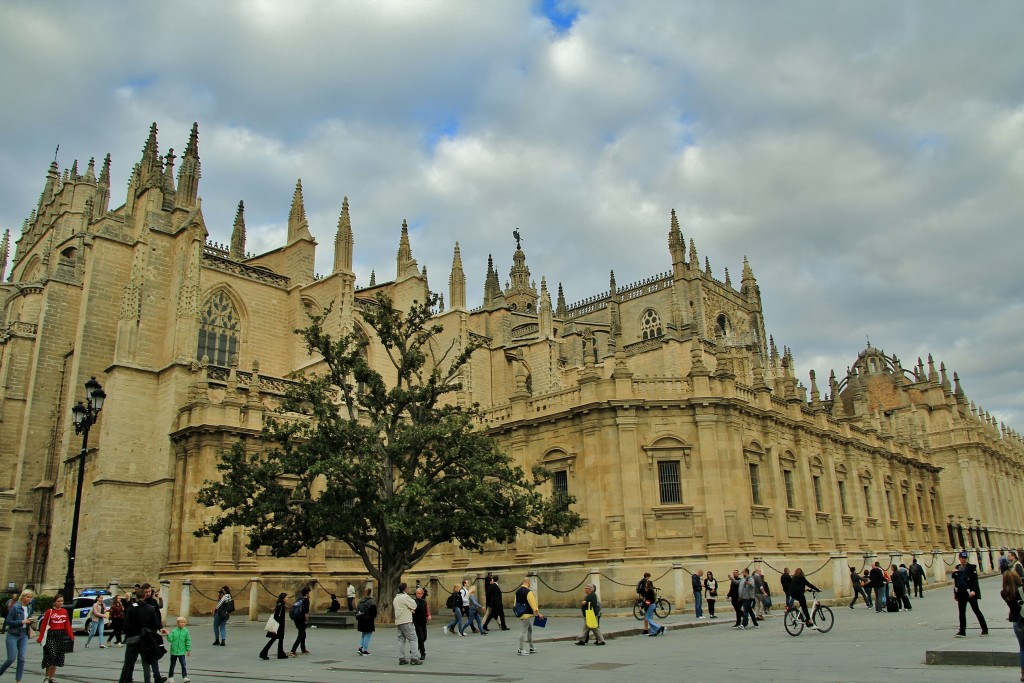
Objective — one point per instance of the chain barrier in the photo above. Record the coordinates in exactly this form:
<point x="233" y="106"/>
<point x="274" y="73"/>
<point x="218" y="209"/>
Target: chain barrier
<point x="929" y="566"/>
<point x="611" y="580"/>
<point x="552" y="588"/>
<point x="827" y="563"/>
<point x="765" y="563"/>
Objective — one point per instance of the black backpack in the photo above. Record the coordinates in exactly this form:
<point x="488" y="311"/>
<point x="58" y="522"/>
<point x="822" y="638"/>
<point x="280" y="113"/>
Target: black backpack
<point x="450" y="603"/>
<point x="296" y="611"/>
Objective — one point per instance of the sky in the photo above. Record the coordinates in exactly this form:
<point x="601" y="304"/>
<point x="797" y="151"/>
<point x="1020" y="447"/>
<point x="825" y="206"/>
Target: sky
<point x="867" y="157"/>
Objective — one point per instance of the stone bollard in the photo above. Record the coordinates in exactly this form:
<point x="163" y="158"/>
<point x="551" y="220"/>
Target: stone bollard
<point x="938" y="567"/>
<point x="679" y="586"/>
<point x="185" y="607"/>
<point x="595" y="578"/>
<point x="165" y="596"/>
<point x="840" y="575"/>
<point x="254" y="598"/>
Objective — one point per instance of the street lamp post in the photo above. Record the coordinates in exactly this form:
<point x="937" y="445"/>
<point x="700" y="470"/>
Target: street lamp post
<point x="84" y="417"/>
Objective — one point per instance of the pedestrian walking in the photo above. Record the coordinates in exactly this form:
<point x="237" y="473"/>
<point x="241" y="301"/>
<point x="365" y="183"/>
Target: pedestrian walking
<point x="419" y="620"/>
<point x="786" y="579"/>
<point x="591" y="607"/>
<point x="858" y="588"/>
<point x="300" y="617"/>
<point x="141" y="626"/>
<point x="966" y="591"/>
<point x="97" y="617"/>
<point x="526" y="609"/>
<point x="180" y="641"/>
<point x="275" y="630"/>
<point x="651" y="602"/>
<point x="475" y="608"/>
<point x="1013" y="595"/>
<point x="495" y="609"/>
<point x="366" y="618"/>
<point x="116" y="613"/>
<point x="747" y="593"/>
<point x="17" y="624"/>
<point x="454" y="603"/>
<point x="404" y="605"/>
<point x="223" y="609"/>
<point x="734" y="596"/>
<point x="917" y="577"/>
<point x="55" y="631"/>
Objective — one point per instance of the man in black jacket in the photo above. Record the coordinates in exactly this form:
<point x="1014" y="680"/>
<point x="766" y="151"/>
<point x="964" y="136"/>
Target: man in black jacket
<point x="495" y="610"/>
<point x="917" y="576"/>
<point x="141" y="628"/>
<point x="966" y="591"/>
<point x="877" y="577"/>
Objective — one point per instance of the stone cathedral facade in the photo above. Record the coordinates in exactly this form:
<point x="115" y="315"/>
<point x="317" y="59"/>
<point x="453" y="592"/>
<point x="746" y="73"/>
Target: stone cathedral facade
<point x="663" y="406"/>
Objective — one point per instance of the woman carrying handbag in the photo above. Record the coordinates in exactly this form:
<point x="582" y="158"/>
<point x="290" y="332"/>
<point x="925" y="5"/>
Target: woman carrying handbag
<point x="711" y="593"/>
<point x="280" y="612"/>
<point x="55" y="630"/>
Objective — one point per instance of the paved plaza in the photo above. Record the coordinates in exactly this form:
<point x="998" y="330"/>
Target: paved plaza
<point x="863" y="646"/>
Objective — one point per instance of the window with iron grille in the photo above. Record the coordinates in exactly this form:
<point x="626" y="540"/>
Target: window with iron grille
<point x="560" y="487"/>
<point x="669" y="482"/>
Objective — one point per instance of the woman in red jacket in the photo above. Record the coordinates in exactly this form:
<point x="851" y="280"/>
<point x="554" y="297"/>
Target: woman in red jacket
<point x="55" y="627"/>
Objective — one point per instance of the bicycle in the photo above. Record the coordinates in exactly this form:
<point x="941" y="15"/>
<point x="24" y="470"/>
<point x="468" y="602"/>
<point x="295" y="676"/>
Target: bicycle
<point x="662" y="607"/>
<point x="821" y="617"/>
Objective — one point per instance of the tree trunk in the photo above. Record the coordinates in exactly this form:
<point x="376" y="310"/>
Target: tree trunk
<point x="388" y="590"/>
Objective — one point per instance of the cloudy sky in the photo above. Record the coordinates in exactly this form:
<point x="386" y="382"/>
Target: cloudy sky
<point x="868" y="157"/>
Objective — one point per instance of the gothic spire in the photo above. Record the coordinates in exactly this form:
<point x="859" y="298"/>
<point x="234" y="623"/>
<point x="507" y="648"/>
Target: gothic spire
<point x="343" y="241"/>
<point x="191" y="169"/>
<point x="676" y="243"/>
<point x="492" y="288"/>
<point x="406" y="263"/>
<point x="152" y="165"/>
<point x="694" y="261"/>
<point x="544" y="322"/>
<point x="298" y="226"/>
<point x="238" y="234"/>
<point x="457" y="282"/>
<point x="560" y="309"/>
<point x="748" y="285"/>
<point x="5" y="251"/>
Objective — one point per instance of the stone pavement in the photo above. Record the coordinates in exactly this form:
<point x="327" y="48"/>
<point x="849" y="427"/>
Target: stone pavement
<point x="863" y="646"/>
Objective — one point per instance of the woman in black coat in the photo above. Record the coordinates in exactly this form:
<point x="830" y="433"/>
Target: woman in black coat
<point x="366" y="614"/>
<point x="796" y="591"/>
<point x="280" y="612"/>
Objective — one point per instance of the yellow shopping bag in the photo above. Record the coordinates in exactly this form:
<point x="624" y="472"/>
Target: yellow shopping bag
<point x="591" y="618"/>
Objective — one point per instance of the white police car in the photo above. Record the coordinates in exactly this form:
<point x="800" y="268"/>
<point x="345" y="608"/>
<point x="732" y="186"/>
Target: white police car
<point x="82" y="606"/>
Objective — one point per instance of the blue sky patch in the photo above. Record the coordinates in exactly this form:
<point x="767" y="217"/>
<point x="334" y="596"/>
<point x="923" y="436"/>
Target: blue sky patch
<point x="561" y="13"/>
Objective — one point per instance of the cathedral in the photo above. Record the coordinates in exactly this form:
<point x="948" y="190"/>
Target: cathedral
<point x="662" y="406"/>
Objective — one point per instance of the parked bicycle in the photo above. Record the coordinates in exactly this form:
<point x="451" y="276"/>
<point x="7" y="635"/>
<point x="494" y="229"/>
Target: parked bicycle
<point x="662" y="607"/>
<point x="821" y="617"/>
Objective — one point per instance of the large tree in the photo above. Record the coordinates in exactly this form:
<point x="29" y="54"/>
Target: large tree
<point x="385" y="466"/>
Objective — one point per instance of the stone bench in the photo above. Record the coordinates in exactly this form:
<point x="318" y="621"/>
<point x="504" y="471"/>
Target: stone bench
<point x="332" y="620"/>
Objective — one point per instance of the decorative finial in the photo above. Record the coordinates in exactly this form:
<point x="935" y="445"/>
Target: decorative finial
<point x="515" y="233"/>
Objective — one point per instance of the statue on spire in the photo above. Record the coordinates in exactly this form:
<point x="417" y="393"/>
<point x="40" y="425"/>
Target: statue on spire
<point x="515" y="233"/>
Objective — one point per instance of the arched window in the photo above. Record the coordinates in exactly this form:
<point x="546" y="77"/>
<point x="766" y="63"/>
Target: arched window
<point x="218" y="330"/>
<point x="650" y="325"/>
<point x="724" y="326"/>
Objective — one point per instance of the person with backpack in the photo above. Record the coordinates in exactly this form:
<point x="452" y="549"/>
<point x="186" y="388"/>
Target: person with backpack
<point x="366" y="616"/>
<point x="640" y="588"/>
<point x="141" y="627"/>
<point x="225" y="606"/>
<point x="526" y="608"/>
<point x="300" y="616"/>
<point x="454" y="603"/>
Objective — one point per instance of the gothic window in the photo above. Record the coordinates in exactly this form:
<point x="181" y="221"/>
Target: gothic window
<point x="650" y="325"/>
<point x="669" y="482"/>
<point x="219" y="330"/>
<point x="724" y="326"/>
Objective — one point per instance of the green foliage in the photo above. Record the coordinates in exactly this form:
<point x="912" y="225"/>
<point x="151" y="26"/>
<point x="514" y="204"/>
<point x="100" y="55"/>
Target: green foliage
<point x="388" y="469"/>
<point x="42" y="603"/>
